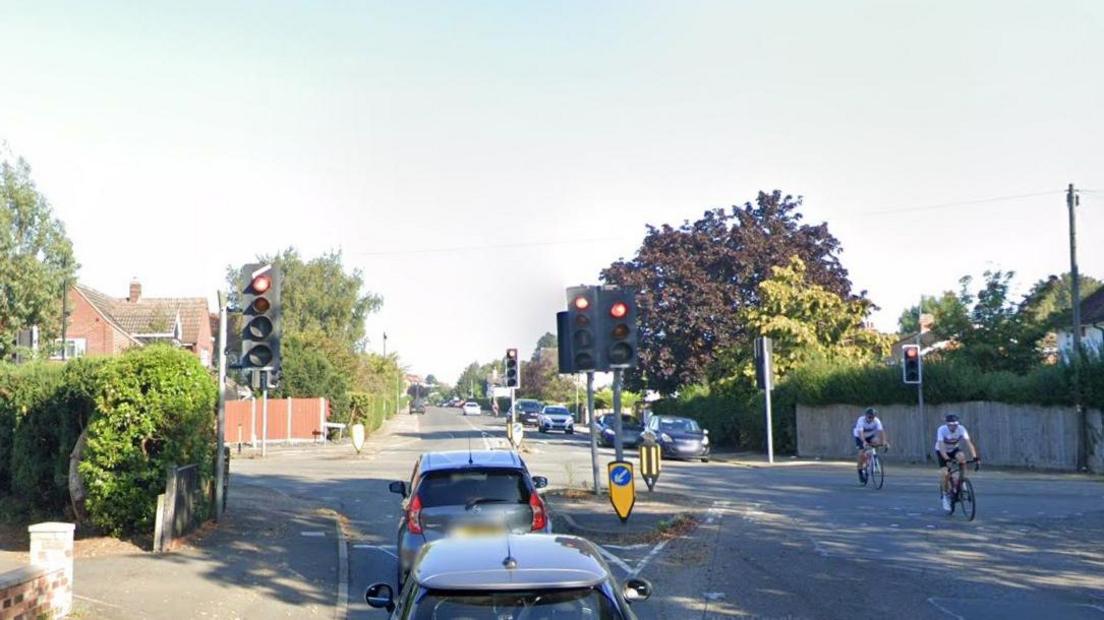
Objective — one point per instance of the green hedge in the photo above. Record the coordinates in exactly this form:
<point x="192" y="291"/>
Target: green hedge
<point x="155" y="409"/>
<point x="24" y="390"/>
<point x="44" y="439"/>
<point x="736" y="418"/>
<point x="372" y="410"/>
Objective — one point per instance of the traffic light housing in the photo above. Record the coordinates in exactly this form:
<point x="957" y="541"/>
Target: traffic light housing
<point x="764" y="363"/>
<point x="617" y="328"/>
<point x="513" y="378"/>
<point x="261" y="311"/>
<point x="911" y="369"/>
<point x="582" y="339"/>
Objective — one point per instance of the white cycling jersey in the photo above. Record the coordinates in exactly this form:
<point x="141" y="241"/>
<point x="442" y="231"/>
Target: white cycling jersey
<point x="948" y="440"/>
<point x="867" y="429"/>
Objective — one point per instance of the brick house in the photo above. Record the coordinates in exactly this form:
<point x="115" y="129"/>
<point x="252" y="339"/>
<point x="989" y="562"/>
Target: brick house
<point x="103" y="325"/>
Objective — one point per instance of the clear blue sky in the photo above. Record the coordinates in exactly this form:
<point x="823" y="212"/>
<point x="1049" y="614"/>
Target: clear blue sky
<point x="175" y="141"/>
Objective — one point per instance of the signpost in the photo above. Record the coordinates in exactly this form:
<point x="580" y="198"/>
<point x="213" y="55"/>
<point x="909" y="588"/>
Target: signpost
<point x="622" y="488"/>
<point x="764" y="379"/>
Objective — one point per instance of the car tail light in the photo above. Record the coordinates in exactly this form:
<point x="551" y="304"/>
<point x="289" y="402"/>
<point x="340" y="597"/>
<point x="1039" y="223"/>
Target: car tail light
<point x="540" y="517"/>
<point x="414" y="516"/>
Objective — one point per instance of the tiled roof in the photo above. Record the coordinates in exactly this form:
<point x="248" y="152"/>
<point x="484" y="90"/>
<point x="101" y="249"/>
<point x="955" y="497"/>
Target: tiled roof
<point x="1092" y="308"/>
<point x="153" y="315"/>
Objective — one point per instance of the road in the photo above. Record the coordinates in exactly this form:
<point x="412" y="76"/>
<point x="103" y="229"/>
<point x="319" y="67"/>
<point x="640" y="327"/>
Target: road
<point x="797" y="539"/>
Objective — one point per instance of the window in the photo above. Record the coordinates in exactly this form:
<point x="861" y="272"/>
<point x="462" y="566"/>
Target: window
<point x="74" y="348"/>
<point x="458" y="487"/>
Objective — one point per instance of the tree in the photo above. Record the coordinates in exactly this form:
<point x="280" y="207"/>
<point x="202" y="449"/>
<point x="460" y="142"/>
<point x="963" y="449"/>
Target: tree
<point x="36" y="258"/>
<point x="1000" y="336"/>
<point x="950" y="313"/>
<point x="807" y="322"/>
<point x="695" y="280"/>
<point x="547" y="341"/>
<point x="470" y="384"/>
<point x="1048" y="302"/>
<point x="431" y="380"/>
<point x="541" y="379"/>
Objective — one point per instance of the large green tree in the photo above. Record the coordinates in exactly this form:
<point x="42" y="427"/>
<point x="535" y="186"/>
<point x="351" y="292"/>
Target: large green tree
<point x="36" y="258"/>
<point x="695" y="280"/>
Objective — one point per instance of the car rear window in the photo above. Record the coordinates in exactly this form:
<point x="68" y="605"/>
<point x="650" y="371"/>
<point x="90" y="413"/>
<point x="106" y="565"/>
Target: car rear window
<point x="459" y="486"/>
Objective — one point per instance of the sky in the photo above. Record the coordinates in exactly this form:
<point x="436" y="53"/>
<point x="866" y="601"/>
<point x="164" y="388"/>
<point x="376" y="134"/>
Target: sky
<point x="473" y="159"/>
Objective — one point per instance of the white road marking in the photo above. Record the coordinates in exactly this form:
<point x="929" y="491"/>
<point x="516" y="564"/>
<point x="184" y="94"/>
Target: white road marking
<point x="313" y="534"/>
<point x="384" y="548"/>
<point x="648" y="558"/>
<point x="714" y="596"/>
<point x="96" y="601"/>
<point x="636" y="546"/>
<point x="616" y="560"/>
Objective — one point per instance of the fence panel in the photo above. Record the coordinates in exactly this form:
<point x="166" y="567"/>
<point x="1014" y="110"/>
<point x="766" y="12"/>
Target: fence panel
<point x="305" y="417"/>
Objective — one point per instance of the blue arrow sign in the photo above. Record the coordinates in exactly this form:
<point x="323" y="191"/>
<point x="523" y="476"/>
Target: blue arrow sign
<point x="620" y="476"/>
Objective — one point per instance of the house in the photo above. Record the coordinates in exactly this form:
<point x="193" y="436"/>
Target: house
<point x="1092" y="326"/>
<point x="103" y="325"/>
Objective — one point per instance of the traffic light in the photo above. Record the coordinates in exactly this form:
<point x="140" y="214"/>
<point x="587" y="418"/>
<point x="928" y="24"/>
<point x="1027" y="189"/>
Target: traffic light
<point x="260" y="290"/>
<point x="512" y="376"/>
<point x="911" y="372"/>
<point x="617" y="331"/>
<point x="581" y="326"/>
<point x="764" y="374"/>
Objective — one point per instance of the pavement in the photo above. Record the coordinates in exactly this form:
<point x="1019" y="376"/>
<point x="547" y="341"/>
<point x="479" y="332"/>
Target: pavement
<point x="735" y="537"/>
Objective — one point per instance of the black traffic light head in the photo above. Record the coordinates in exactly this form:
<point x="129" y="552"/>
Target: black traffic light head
<point x="582" y="304"/>
<point x="911" y="371"/>
<point x="513" y="378"/>
<point x="617" y="328"/>
<point x="260" y="291"/>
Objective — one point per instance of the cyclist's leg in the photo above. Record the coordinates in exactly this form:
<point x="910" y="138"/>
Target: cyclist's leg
<point x="960" y="456"/>
<point x="944" y="472"/>
<point x="861" y="457"/>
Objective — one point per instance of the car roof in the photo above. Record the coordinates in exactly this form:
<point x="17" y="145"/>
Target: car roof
<point x="459" y="459"/>
<point x="549" y="561"/>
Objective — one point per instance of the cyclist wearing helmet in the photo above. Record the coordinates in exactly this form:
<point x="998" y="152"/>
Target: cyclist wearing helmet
<point x="868" y="431"/>
<point x="948" y="445"/>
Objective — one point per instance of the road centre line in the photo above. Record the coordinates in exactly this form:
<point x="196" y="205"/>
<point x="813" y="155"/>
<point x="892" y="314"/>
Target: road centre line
<point x="943" y="609"/>
<point x="616" y="560"/>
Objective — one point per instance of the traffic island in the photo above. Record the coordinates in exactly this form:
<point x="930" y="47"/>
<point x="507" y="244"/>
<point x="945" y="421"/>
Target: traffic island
<point x="655" y="517"/>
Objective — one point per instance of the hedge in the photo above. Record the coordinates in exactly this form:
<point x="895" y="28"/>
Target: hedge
<point x="736" y="418"/>
<point x="24" y="390"/>
<point x="155" y="410"/>
<point x="44" y="439"/>
<point x="372" y="410"/>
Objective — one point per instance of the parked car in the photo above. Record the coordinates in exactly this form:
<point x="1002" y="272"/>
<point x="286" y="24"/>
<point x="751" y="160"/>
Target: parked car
<point x="538" y="576"/>
<point x="467" y="492"/>
<point x="556" y="418"/>
<point x="631" y="428"/>
<point x="528" y="411"/>
<point x="680" y="438"/>
<point x="471" y="408"/>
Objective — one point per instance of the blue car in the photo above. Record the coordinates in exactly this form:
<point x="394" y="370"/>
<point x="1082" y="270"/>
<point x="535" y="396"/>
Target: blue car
<point x="680" y="438"/>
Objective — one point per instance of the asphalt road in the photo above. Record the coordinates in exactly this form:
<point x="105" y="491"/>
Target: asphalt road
<point x="795" y="540"/>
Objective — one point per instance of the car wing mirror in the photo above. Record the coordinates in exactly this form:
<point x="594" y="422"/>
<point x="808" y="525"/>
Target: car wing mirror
<point x="705" y="431"/>
<point x="380" y="596"/>
<point x="637" y="589"/>
<point x="540" y="482"/>
<point x="398" y="486"/>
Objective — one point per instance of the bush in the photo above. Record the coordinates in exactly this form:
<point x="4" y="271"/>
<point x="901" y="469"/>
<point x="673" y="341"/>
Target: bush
<point x="156" y="410"/>
<point x="23" y="390"/>
<point x="45" y="438"/>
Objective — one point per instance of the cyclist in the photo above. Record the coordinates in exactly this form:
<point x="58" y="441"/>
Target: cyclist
<point x="868" y="431"/>
<point x="948" y="440"/>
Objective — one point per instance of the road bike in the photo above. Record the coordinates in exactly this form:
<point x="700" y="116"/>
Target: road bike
<point x="874" y="470"/>
<point x="962" y="490"/>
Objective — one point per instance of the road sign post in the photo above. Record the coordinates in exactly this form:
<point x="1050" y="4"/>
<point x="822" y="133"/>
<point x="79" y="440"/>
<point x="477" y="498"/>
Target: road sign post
<point x="622" y="488"/>
<point x="593" y="431"/>
<point x="764" y="379"/>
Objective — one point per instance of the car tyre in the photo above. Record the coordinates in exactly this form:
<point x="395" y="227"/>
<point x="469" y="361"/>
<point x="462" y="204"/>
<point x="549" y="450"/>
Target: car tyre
<point x="570" y="431"/>
<point x="705" y="459"/>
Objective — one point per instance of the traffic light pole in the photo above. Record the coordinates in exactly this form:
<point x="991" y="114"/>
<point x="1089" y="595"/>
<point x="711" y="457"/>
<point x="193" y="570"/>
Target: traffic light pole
<point x="220" y="428"/>
<point x="264" y="415"/>
<point x="920" y="357"/>
<point x="593" y="432"/>
<point x="618" y="446"/>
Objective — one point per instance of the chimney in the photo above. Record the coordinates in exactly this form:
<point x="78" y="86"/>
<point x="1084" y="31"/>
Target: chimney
<point x="135" y="291"/>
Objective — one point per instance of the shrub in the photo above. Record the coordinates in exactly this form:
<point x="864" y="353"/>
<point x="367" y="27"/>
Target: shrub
<point x="45" y="438"/>
<point x="23" y="390"/>
<point x="156" y="410"/>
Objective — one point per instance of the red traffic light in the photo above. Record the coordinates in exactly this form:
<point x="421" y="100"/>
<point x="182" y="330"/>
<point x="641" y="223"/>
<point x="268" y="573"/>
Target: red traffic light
<point x="261" y="284"/>
<point x="511" y="354"/>
<point x="582" y="303"/>
<point x="911" y="352"/>
<point x="619" y="310"/>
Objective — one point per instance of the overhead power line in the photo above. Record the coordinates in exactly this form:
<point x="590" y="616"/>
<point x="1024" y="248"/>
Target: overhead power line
<point x="492" y="246"/>
<point x="960" y="203"/>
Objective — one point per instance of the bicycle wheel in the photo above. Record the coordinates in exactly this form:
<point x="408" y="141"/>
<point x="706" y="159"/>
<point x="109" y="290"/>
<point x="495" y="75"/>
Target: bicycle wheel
<point x="968" y="500"/>
<point x="878" y="472"/>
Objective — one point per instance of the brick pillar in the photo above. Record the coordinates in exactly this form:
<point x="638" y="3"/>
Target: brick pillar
<point x="52" y="549"/>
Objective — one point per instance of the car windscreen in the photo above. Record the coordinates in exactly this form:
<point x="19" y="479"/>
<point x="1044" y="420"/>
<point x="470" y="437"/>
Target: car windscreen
<point x="459" y="486"/>
<point x="557" y="411"/>
<point x="679" y="425"/>
<point x="531" y="605"/>
<point x="523" y="405"/>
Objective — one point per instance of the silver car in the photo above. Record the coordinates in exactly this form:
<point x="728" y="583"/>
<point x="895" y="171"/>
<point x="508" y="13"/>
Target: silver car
<point x="556" y="418"/>
<point x="538" y="577"/>
<point x="467" y="492"/>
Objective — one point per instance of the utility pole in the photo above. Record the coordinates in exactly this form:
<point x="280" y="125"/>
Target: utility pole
<point x="385" y="344"/>
<point x="64" y="319"/>
<point x="1083" y="449"/>
<point x="593" y="431"/>
<point x="920" y="356"/>
<point x="220" y="459"/>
